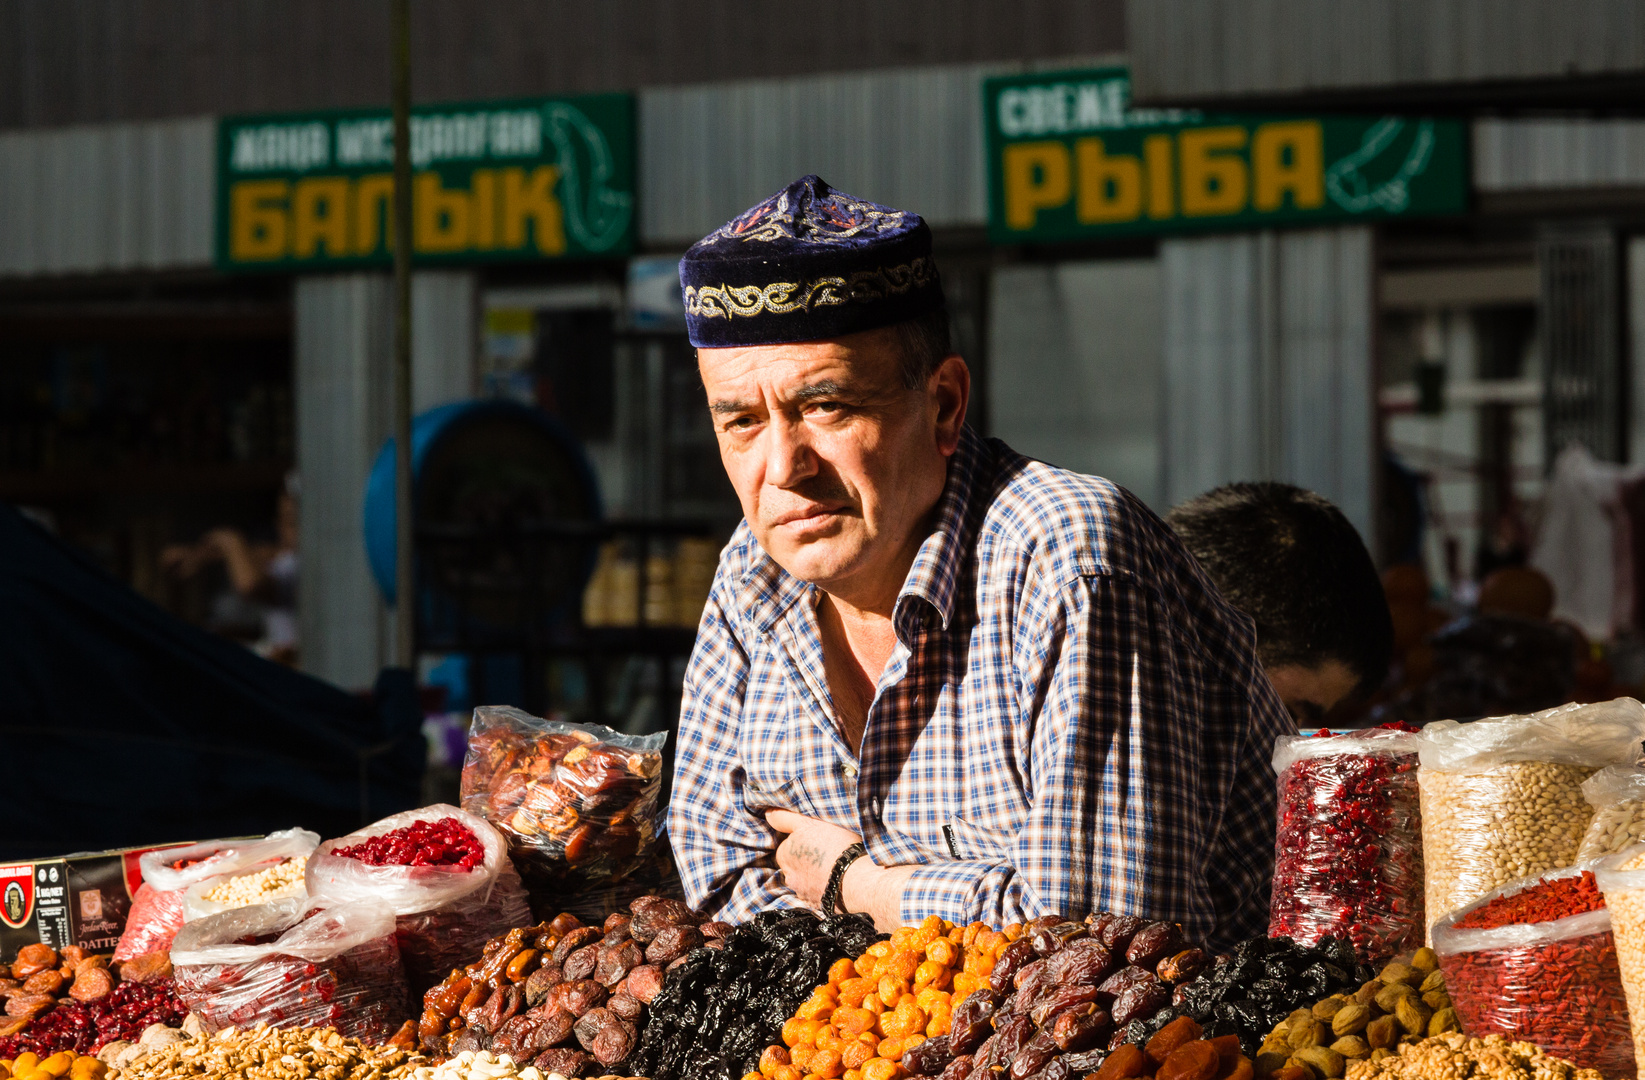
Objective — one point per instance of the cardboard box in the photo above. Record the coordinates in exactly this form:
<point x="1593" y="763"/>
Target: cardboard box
<point x="81" y="899"/>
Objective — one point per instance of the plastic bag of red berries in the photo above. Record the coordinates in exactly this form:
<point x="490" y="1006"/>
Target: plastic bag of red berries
<point x="295" y="963"/>
<point x="444" y="872"/>
<point x="157" y="908"/>
<point x="1348" y="850"/>
<point x="578" y="802"/>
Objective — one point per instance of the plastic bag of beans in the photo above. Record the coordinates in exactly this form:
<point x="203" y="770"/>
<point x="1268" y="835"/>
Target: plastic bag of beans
<point x="1502" y="797"/>
<point x="446" y="875"/>
<point x="1348" y="851"/>
<point x="1621" y="877"/>
<point x="157" y="909"/>
<point x="294" y="963"/>
<point x="1536" y="960"/>
<point x="1617" y="794"/>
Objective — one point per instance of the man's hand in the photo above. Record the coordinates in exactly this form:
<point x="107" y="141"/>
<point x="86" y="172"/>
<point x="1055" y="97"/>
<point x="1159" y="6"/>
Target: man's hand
<point x="809" y="853"/>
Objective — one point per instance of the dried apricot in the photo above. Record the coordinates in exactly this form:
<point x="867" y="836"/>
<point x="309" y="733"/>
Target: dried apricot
<point x="774" y="1058"/>
<point x="1123" y="1064"/>
<point x="1184" y="1029"/>
<point x="1195" y="1060"/>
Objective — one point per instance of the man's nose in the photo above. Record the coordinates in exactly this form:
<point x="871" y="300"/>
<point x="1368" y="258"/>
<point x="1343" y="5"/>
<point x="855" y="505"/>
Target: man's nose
<point x="789" y="458"/>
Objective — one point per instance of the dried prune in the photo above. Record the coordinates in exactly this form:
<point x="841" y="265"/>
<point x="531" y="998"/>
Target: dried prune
<point x="1140" y="1001"/>
<point x="579" y="938"/>
<point x="1154" y="943"/>
<point x="556" y="1025"/>
<point x="672" y="942"/>
<point x="581" y="964"/>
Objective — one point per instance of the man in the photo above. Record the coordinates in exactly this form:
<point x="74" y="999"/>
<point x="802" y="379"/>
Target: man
<point x="1290" y="560"/>
<point x="1009" y="683"/>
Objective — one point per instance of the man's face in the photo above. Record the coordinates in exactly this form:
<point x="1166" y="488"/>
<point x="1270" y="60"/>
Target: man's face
<point x="1311" y="692"/>
<point x="836" y="462"/>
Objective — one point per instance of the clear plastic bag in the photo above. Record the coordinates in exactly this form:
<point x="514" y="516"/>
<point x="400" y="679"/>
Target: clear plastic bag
<point x="1502" y="797"/>
<point x="1621" y="878"/>
<point x="1500" y="979"/>
<point x="1617" y="794"/>
<point x="295" y="963"/>
<point x="1348" y="850"/>
<point x="254" y="886"/>
<point x="157" y="907"/>
<point x="444" y="915"/>
<point x="578" y="802"/>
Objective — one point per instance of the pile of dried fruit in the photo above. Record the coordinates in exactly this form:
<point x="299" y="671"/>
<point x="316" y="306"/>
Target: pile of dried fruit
<point x="1259" y="985"/>
<point x="444" y="842"/>
<point x="64" y="1064"/>
<point x="1454" y="1056"/>
<point x="562" y="995"/>
<point x="70" y="1001"/>
<point x="266" y="1053"/>
<point x="1178" y="1051"/>
<point x="893" y="1006"/>
<point x="720" y="1009"/>
<point x="1402" y="1005"/>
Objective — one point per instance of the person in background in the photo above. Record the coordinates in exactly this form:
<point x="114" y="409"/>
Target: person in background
<point x="262" y="577"/>
<point x="1291" y="561"/>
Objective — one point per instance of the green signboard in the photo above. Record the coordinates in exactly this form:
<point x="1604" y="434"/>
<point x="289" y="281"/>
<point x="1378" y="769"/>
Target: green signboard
<point x="1069" y="159"/>
<point x="495" y="182"/>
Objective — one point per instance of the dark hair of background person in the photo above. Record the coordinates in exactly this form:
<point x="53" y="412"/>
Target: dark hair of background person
<point x="1290" y="560"/>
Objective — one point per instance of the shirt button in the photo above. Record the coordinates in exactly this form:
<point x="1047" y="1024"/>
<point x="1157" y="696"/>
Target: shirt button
<point x="849" y="770"/>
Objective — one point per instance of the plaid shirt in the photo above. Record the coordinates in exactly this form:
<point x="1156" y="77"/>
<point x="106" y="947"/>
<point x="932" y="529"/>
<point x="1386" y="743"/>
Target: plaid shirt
<point x="1072" y="720"/>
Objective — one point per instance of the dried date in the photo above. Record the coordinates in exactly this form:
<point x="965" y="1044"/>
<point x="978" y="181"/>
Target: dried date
<point x="1081" y="1029"/>
<point x="929" y="1058"/>
<point x="1139" y="1002"/>
<point x="716" y="929"/>
<point x="1035" y="1055"/>
<point x="672" y="942"/>
<point x="1185" y="965"/>
<point x="1083" y="961"/>
<point x="1009" y="1038"/>
<point x="1117" y="932"/>
<point x="1154" y="943"/>
<point x="1011" y="959"/>
<point x="1067" y="997"/>
<point x="960" y="1068"/>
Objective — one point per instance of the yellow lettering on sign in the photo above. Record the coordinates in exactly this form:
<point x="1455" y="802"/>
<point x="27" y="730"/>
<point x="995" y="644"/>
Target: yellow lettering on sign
<point x="257" y="220"/>
<point x="1038" y="176"/>
<point x="532" y="199"/>
<point x="440" y="215"/>
<point x="483" y="183"/>
<point x="372" y="195"/>
<point x="1288" y="157"/>
<point x="1162" y="176"/>
<point x="319" y="215"/>
<point x="1214" y="179"/>
<point x="1110" y="187"/>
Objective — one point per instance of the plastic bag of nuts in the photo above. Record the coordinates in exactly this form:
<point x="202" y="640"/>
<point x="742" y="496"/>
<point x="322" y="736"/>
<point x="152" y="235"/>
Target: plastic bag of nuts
<point x="157" y="910"/>
<point x="1348" y="851"/>
<point x="1512" y="969"/>
<point x="1617" y="794"/>
<point x="578" y="802"/>
<point x="1621" y="878"/>
<point x="1502" y="797"/>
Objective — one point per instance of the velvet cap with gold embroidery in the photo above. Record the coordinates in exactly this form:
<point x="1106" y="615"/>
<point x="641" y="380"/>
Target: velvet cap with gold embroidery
<point x="808" y="263"/>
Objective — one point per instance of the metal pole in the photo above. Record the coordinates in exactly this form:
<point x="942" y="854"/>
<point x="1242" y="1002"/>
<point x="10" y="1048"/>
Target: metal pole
<point x="404" y="586"/>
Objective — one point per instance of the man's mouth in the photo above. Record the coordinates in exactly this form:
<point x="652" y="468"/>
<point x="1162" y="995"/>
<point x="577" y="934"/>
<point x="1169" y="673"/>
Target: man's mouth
<point x="808" y="515"/>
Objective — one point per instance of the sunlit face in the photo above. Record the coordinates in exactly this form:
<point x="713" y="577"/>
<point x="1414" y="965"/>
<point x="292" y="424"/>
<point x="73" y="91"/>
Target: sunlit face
<point x="1311" y="692"/>
<point x="836" y="462"/>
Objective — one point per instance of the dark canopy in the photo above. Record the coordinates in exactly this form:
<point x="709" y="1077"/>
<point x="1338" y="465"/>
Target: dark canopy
<point x="121" y="725"/>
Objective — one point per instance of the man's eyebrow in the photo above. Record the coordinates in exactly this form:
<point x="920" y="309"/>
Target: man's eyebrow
<point x="725" y="408"/>
<point x="821" y="389"/>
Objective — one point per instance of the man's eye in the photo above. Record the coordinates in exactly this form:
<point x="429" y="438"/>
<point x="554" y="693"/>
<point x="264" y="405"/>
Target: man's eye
<point x="824" y="407"/>
<point x="740" y="423"/>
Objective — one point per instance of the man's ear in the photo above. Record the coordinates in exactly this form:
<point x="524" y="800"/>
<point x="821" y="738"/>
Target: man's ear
<point x="950" y="389"/>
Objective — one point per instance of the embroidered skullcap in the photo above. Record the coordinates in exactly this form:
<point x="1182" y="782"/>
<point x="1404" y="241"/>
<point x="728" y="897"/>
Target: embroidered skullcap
<point x="805" y="264"/>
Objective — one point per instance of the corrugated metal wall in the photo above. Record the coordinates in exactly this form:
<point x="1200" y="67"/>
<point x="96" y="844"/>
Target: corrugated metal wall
<point x="111" y="197"/>
<point x="1200" y="49"/>
<point x="1514" y="155"/>
<point x="1268" y="364"/>
<point x="906" y="138"/>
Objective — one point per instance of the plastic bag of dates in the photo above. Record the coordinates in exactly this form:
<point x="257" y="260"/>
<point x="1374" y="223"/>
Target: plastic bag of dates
<point x="294" y="963"/>
<point x="578" y="802"/>
<point x="569" y="998"/>
<point x="157" y="908"/>
<point x="445" y="874"/>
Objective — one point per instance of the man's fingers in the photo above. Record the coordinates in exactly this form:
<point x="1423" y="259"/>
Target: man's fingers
<point x="785" y="820"/>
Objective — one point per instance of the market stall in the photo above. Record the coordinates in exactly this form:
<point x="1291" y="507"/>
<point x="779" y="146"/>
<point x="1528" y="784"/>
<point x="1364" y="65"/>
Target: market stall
<point x="1459" y="901"/>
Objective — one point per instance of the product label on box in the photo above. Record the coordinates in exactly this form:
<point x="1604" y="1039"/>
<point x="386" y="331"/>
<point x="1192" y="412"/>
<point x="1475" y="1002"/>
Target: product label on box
<point x="52" y="918"/>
